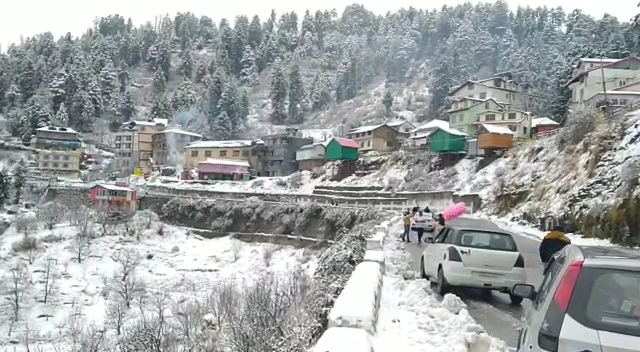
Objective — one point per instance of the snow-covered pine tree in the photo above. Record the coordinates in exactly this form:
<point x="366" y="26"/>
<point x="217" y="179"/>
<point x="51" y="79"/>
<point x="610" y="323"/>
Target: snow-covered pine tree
<point x="159" y="83"/>
<point x="320" y="95"/>
<point x="161" y="108"/>
<point x="255" y="32"/>
<point x="297" y="96"/>
<point x="186" y="64"/>
<point x="278" y="93"/>
<point x="62" y="117"/>
<point x="127" y="108"/>
<point x="5" y="183"/>
<point x="185" y="96"/>
<point x="249" y="73"/>
<point x="223" y="128"/>
<point x="387" y="101"/>
<point x="201" y="72"/>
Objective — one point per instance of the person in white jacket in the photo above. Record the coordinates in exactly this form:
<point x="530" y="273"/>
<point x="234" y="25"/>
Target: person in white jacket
<point x="419" y="222"/>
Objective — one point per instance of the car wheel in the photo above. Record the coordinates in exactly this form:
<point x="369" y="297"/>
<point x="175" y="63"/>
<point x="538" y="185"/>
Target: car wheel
<point x="515" y="300"/>
<point x="442" y="287"/>
<point x="423" y="274"/>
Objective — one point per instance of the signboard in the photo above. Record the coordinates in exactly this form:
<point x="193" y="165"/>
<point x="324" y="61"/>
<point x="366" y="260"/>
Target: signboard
<point x="138" y="172"/>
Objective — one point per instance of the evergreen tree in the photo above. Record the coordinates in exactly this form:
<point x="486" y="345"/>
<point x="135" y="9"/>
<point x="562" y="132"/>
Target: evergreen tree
<point x="186" y="65"/>
<point x="249" y="72"/>
<point x="185" y="96"/>
<point x="62" y="117"/>
<point x="222" y="129"/>
<point x="297" y="96"/>
<point x="201" y="72"/>
<point x="127" y="107"/>
<point x="255" y="33"/>
<point x="5" y="184"/>
<point x="320" y="95"/>
<point x="123" y="78"/>
<point x="159" y="83"/>
<point x="161" y="108"/>
<point x="108" y="85"/>
<point x="387" y="101"/>
<point x="19" y="172"/>
<point x="278" y="93"/>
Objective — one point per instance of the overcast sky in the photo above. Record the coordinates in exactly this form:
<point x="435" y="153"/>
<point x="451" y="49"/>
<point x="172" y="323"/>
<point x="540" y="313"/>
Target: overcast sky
<point x="29" y="17"/>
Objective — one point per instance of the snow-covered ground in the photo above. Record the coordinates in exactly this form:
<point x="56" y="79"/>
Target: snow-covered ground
<point x="172" y="262"/>
<point x="412" y="319"/>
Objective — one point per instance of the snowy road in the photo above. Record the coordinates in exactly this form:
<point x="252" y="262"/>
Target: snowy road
<point x="495" y="314"/>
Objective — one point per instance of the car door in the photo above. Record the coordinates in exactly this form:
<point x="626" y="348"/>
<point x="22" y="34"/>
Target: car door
<point x="535" y="316"/>
<point x="436" y="251"/>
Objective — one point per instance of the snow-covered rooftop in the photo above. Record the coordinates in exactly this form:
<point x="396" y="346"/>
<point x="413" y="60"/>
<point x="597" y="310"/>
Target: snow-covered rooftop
<point x="221" y="144"/>
<point x="56" y="129"/>
<point x="179" y="131"/>
<point x="453" y="131"/>
<point x="543" y="121"/>
<point x="243" y="163"/>
<point x="365" y="129"/>
<point x="595" y="59"/>
<point x="432" y="125"/>
<point x="396" y="123"/>
<point x="112" y="187"/>
<point x="497" y="129"/>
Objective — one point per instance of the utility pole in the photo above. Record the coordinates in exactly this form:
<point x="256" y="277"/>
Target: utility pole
<point x="604" y="86"/>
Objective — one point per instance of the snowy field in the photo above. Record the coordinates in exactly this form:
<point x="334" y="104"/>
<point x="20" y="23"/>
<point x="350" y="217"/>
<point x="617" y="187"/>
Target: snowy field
<point x="64" y="288"/>
<point x="412" y="319"/>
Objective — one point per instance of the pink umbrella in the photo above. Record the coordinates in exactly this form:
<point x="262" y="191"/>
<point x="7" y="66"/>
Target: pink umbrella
<point x="454" y="211"/>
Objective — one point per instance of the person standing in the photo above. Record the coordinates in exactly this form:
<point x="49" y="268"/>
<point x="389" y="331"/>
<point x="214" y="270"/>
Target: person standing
<point x="406" y="219"/>
<point x="552" y="243"/>
<point x="419" y="221"/>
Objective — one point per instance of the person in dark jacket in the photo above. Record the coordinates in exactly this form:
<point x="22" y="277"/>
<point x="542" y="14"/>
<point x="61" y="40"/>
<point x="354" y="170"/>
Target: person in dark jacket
<point x="553" y="242"/>
<point x="440" y="220"/>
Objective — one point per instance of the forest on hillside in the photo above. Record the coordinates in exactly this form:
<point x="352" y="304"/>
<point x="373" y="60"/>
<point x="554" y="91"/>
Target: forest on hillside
<point x="192" y="64"/>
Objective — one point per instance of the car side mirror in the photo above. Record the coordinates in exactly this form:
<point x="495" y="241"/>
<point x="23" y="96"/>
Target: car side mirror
<point x="524" y="290"/>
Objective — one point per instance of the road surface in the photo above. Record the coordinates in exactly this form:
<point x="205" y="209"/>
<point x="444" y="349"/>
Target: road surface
<point x="496" y="314"/>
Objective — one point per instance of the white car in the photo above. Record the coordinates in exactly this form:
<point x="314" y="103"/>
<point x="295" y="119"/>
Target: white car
<point x="468" y="253"/>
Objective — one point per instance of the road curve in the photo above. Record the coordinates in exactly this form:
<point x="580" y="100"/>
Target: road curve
<point x="495" y="314"/>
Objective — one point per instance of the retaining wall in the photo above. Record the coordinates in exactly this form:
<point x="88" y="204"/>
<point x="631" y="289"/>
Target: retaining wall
<point x="354" y="316"/>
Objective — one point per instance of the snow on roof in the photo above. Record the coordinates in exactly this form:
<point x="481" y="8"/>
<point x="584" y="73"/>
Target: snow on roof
<point x="347" y="143"/>
<point x="433" y="124"/>
<point x="226" y="162"/>
<point x="179" y="131"/>
<point x="452" y="131"/>
<point x="155" y="122"/>
<point x="620" y="92"/>
<point x="221" y="144"/>
<point x="309" y="146"/>
<point x="397" y="123"/>
<point x="594" y="59"/>
<point x="365" y="129"/>
<point x="56" y="129"/>
<point x="543" y="121"/>
<point x="113" y="187"/>
<point x="419" y="136"/>
<point x="497" y="129"/>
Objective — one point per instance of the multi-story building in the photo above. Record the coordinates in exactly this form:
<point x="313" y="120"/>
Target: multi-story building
<point x="380" y="138"/>
<point x="592" y="77"/>
<point x="169" y="144"/>
<point x="134" y="144"/>
<point x="465" y="112"/>
<point x="500" y="87"/>
<point x="518" y="122"/>
<point x="59" y="151"/>
<point x="281" y="152"/>
<point x="251" y="151"/>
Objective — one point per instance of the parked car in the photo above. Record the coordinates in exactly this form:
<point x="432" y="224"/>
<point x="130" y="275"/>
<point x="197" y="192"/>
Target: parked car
<point x="470" y="253"/>
<point x="589" y="300"/>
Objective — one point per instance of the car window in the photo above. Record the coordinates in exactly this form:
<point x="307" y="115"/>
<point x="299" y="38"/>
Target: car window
<point x="487" y="240"/>
<point x="441" y="235"/>
<point x="552" y="271"/>
<point x="449" y="237"/>
<point x="609" y="300"/>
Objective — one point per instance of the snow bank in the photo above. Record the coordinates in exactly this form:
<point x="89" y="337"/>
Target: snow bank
<point x="538" y="235"/>
<point x="344" y="340"/>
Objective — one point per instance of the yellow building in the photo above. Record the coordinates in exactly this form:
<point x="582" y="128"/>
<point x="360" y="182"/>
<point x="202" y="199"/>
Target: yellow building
<point x="232" y="150"/>
<point x="169" y="146"/>
<point x="134" y="144"/>
<point x="379" y="138"/>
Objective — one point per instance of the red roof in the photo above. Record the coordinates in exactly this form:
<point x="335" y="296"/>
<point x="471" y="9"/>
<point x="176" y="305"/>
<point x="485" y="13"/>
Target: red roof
<point x="348" y="143"/>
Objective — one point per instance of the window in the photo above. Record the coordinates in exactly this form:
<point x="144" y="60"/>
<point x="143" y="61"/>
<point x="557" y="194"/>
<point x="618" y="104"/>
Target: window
<point x="254" y="152"/>
<point x="490" y="117"/>
<point x="127" y="138"/>
<point x="127" y="146"/>
<point x="207" y="153"/>
<point x="470" y="85"/>
<point x="608" y="300"/>
<point x="524" y="131"/>
<point x="453" y="119"/>
<point x="65" y="166"/>
<point x="223" y="153"/>
<point x="245" y="153"/>
<point x="513" y="128"/>
<point x="497" y="82"/>
<point x="142" y="129"/>
<point x="624" y="102"/>
<point x="368" y="143"/>
<point x="483" y="95"/>
<point x="45" y="164"/>
<point x="55" y="165"/>
<point x="369" y="133"/>
<point x="118" y="145"/>
<point x="551" y="273"/>
<point x="194" y="153"/>
<point x="118" y="138"/>
<point x="389" y="144"/>
<point x="486" y="105"/>
<point x="512" y="116"/>
<point x="622" y="82"/>
<point x="284" y="141"/>
<point x="56" y="157"/>
<point x="236" y="153"/>
<point x="487" y="240"/>
<point x="441" y="235"/>
<point x="614" y="101"/>
<point x="45" y="157"/>
<point x="65" y="157"/>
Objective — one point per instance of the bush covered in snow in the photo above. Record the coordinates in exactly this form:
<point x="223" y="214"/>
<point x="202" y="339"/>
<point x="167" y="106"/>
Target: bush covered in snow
<point x="309" y="220"/>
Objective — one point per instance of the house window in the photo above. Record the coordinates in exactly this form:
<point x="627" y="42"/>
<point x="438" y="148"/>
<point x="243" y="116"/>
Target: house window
<point x="361" y="144"/>
<point x="369" y="133"/>
<point x="66" y="157"/>
<point x="45" y="164"/>
<point x="622" y="82"/>
<point x="389" y="144"/>
<point x="142" y="129"/>
<point x="45" y="157"/>
<point x="512" y="116"/>
<point x="490" y="117"/>
<point x="56" y="157"/>
<point x="127" y="138"/>
<point x="236" y="153"/>
<point x="65" y="166"/>
<point x="118" y="138"/>
<point x="127" y="146"/>
<point x="624" y="102"/>
<point x="207" y="153"/>
<point x="55" y="165"/>
<point x="223" y="153"/>
<point x="614" y="101"/>
<point x="245" y="153"/>
<point x="453" y="119"/>
<point x="486" y="105"/>
<point x="513" y="128"/>
<point x="483" y="95"/>
<point x="471" y="86"/>
<point x="368" y="143"/>
<point x="497" y="82"/>
<point x="118" y="145"/>
<point x="194" y="153"/>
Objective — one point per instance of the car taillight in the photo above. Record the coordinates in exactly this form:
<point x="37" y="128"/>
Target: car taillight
<point x="567" y="284"/>
<point x="519" y="262"/>
<point x="454" y="256"/>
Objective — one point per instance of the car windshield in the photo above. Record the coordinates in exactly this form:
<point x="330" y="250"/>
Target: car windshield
<point x="487" y="240"/>
<point x="612" y="303"/>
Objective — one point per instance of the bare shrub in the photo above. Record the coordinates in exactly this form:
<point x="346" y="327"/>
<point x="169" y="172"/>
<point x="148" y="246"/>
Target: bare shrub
<point x="236" y="249"/>
<point x="126" y="285"/>
<point x="267" y="255"/>
<point x="116" y="315"/>
<point x="49" y="280"/>
<point x="27" y="245"/>
<point x="25" y="224"/>
<point x="83" y="219"/>
<point x="295" y="180"/>
<point x="127" y="260"/>
<point x="17" y="283"/>
<point x="51" y="214"/>
<point x="580" y="122"/>
<point x="81" y="246"/>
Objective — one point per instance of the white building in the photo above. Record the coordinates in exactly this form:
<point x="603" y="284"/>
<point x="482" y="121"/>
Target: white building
<point x="59" y="151"/>
<point x="419" y="135"/>
<point x="501" y="87"/>
<point x="134" y="144"/>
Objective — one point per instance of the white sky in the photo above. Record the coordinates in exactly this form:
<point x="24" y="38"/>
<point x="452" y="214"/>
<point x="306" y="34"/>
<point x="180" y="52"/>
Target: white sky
<point x="29" y="17"/>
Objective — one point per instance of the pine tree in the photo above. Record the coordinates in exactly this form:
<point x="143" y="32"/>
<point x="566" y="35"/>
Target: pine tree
<point x="249" y="72"/>
<point x="223" y="128"/>
<point x="159" y="83"/>
<point x="185" y="96"/>
<point x="5" y="184"/>
<point x="19" y="172"/>
<point x="127" y="107"/>
<point x="123" y="77"/>
<point x="62" y="117"/>
<point x="387" y="101"/>
<point x="186" y="65"/>
<point x="297" y="96"/>
<point x="320" y="95"/>
<point x="255" y="32"/>
<point x="57" y="89"/>
<point x="108" y="85"/>
<point x="161" y="108"/>
<point x="278" y="93"/>
<point x="201" y="72"/>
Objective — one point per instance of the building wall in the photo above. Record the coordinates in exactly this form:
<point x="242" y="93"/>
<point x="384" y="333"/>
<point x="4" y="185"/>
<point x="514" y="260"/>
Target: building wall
<point x="615" y="99"/>
<point x="315" y="152"/>
<point x="591" y="83"/>
<point x="495" y="141"/>
<point x="516" y="121"/>
<point x="337" y="152"/>
<point x="382" y="139"/>
<point x="162" y="142"/>
<point x="281" y="153"/>
<point x="465" y="120"/>
<point x="59" y="162"/>
<point x="518" y="100"/>
<point x="310" y="164"/>
<point x="195" y="155"/>
<point x="442" y="141"/>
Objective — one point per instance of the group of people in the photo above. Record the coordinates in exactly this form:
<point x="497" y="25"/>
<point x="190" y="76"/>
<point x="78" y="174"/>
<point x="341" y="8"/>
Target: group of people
<point x="416" y="220"/>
